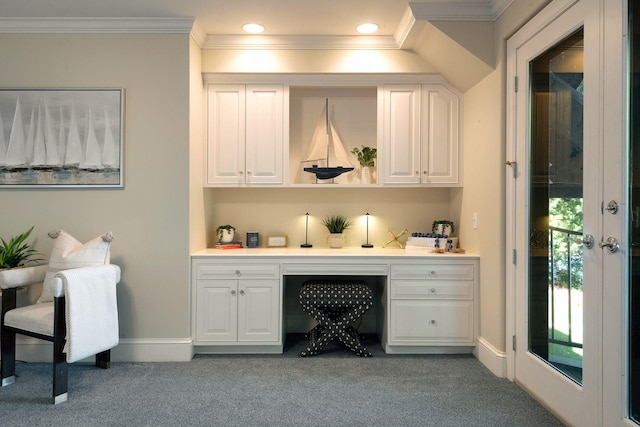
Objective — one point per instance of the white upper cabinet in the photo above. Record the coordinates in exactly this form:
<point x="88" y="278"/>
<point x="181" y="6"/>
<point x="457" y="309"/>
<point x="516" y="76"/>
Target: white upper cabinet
<point x="260" y="127"/>
<point x="419" y="131"/>
<point x="440" y="134"/>
<point x="245" y="135"/>
<point x="399" y="128"/>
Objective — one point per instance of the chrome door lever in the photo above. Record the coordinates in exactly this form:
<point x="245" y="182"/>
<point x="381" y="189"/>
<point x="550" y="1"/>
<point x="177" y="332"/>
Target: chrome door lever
<point x="611" y="243"/>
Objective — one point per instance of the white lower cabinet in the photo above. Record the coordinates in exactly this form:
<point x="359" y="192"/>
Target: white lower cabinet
<point x="424" y="304"/>
<point x="237" y="304"/>
<point x="432" y="304"/>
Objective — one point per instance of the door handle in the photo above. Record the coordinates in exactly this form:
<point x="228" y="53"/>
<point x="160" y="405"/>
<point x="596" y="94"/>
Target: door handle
<point x="611" y="243"/>
<point x="587" y="241"/>
<point x="612" y="207"/>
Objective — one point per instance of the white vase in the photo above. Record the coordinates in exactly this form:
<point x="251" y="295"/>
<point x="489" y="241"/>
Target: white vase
<point x="365" y="175"/>
<point x="226" y="235"/>
<point x="335" y="240"/>
<point x="443" y="229"/>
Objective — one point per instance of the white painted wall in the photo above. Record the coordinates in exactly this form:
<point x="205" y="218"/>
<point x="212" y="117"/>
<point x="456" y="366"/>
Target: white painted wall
<point x="486" y="172"/>
<point x="149" y="217"/>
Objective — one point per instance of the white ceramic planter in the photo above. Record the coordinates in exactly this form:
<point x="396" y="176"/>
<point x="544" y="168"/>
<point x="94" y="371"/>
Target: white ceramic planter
<point x="335" y="240"/>
<point x="365" y="175"/>
<point x="227" y="236"/>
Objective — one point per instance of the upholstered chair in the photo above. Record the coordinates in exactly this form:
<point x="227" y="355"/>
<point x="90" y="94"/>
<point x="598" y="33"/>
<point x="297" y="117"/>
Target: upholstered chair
<point x="77" y="310"/>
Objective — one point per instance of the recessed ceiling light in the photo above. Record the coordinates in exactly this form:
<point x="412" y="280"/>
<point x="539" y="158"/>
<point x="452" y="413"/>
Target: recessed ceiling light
<point x="253" y="28"/>
<point x="367" y="28"/>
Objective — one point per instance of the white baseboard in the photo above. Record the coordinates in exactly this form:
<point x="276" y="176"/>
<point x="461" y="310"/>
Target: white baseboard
<point x="153" y="350"/>
<point x="128" y="350"/>
<point x="492" y="358"/>
<point x="182" y="350"/>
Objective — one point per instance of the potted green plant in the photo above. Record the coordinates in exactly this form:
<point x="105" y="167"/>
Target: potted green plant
<point x="443" y="226"/>
<point x="225" y="233"/>
<point x="336" y="224"/>
<point x="366" y="158"/>
<point x="16" y="252"/>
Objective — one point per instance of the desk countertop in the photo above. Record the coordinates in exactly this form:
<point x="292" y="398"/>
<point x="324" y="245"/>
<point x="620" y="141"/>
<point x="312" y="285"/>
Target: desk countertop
<point x="328" y="252"/>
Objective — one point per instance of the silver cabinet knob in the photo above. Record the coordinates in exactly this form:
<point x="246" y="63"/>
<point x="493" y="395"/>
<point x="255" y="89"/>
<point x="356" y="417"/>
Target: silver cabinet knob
<point x="241" y="291"/>
<point x="237" y="272"/>
<point x="233" y="292"/>
<point x="432" y="290"/>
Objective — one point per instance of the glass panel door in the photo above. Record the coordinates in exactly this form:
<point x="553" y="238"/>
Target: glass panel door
<point x="556" y="206"/>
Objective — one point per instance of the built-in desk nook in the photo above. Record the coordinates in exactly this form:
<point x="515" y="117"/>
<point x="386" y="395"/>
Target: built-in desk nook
<point x="246" y="300"/>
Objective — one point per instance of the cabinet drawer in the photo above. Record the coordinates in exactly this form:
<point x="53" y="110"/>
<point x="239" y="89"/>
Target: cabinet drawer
<point x="428" y="289"/>
<point x="432" y="271"/>
<point x="424" y="322"/>
<point x="225" y="271"/>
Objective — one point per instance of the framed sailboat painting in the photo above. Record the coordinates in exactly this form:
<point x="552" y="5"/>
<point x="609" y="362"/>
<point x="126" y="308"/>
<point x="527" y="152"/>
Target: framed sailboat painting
<point x="61" y="137"/>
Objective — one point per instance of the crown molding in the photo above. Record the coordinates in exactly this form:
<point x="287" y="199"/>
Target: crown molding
<point x="448" y="11"/>
<point x="198" y="34"/>
<point x="405" y="34"/>
<point x="96" y="25"/>
<point x="298" y="42"/>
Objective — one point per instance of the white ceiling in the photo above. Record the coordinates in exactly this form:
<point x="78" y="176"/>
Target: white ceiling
<point x="219" y="22"/>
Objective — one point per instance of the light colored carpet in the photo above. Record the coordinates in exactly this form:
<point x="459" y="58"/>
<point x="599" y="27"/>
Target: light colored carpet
<point x="335" y="388"/>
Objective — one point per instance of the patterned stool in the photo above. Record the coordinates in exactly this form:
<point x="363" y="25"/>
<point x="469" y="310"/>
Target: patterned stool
<point x="335" y="304"/>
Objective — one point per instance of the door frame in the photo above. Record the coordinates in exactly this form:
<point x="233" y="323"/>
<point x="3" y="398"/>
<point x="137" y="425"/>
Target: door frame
<point x="616" y="184"/>
<point x="613" y="68"/>
<point x="572" y="402"/>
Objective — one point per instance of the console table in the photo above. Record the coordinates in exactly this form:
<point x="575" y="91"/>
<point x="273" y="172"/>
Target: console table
<point x="425" y="302"/>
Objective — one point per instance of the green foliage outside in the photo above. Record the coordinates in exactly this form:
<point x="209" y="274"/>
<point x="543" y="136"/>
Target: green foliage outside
<point x="566" y="213"/>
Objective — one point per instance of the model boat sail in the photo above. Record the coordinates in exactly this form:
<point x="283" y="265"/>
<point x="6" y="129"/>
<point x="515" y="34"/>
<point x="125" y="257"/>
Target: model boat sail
<point x="325" y="136"/>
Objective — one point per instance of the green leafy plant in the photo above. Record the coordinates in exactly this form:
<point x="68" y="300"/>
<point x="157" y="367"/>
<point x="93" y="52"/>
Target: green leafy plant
<point x="367" y="156"/>
<point x="336" y="223"/>
<point x="16" y="252"/>
<point x="445" y="222"/>
<point x="229" y="228"/>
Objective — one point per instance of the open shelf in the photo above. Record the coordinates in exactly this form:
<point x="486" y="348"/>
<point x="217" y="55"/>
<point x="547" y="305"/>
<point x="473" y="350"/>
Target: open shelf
<point x="353" y="112"/>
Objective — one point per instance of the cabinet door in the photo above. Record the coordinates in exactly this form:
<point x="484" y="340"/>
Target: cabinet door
<point x="226" y="134"/>
<point x="440" y="133"/>
<point x="400" y="163"/>
<point x="217" y="310"/>
<point x="259" y="310"/>
<point x="264" y="134"/>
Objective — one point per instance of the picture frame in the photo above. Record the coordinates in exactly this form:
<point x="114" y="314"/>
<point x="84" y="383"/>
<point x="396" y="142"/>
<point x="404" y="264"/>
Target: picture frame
<point x="277" y="241"/>
<point x="61" y="138"/>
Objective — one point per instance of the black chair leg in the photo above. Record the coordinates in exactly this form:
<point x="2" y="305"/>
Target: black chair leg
<point x="8" y="354"/>
<point x="60" y="368"/>
<point x="7" y="341"/>
<point x="103" y="359"/>
<point x="60" y="375"/>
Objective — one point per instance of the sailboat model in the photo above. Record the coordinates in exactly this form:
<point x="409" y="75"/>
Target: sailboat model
<point x="324" y="136"/>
